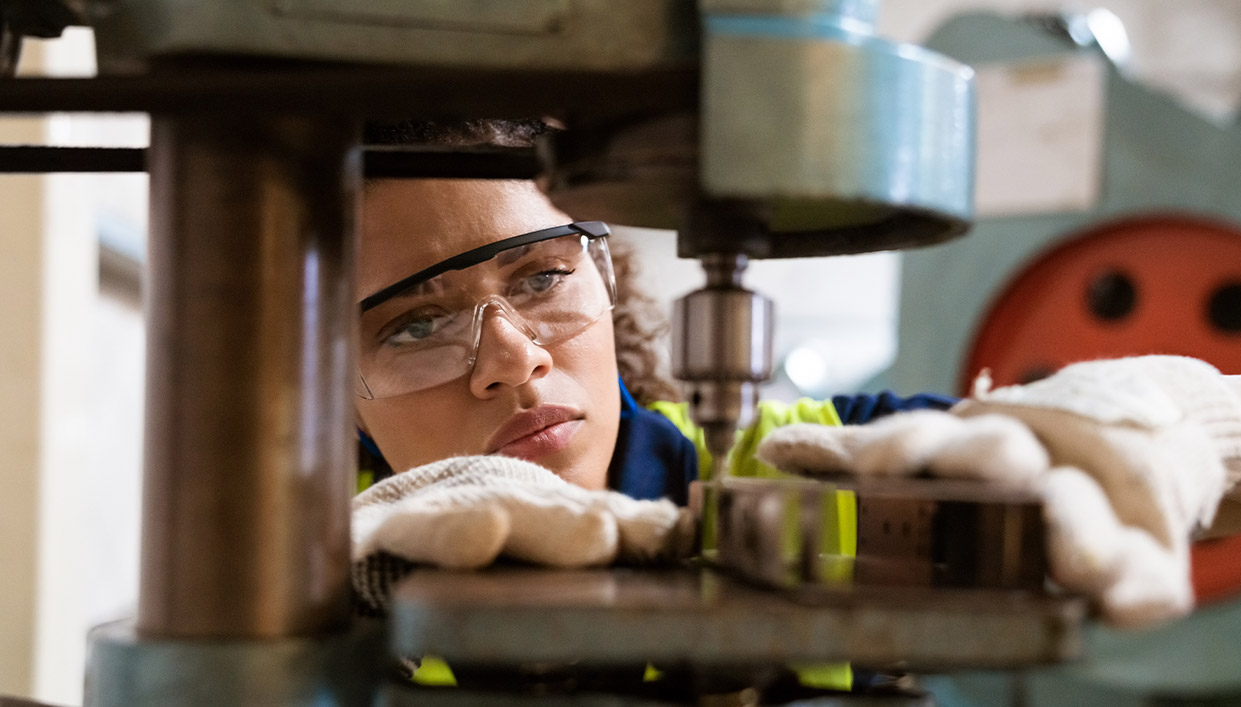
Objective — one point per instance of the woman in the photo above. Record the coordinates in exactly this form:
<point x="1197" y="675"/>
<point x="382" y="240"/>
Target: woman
<point x="492" y="324"/>
<point x="495" y="357"/>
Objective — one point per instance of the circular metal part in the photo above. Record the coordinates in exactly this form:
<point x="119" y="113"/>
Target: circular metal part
<point x="124" y="669"/>
<point x="721" y="349"/>
<point x="723" y="333"/>
<point x="644" y="173"/>
<point x="860" y="145"/>
<point x="250" y="306"/>
<point x="1154" y="284"/>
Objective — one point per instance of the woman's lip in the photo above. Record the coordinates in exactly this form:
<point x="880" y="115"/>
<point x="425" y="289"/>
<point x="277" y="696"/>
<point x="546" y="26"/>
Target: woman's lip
<point x="544" y="442"/>
<point x="530" y="422"/>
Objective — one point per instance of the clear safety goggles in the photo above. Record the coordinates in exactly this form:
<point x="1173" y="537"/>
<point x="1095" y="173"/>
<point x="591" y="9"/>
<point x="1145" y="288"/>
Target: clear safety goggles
<point x="424" y="330"/>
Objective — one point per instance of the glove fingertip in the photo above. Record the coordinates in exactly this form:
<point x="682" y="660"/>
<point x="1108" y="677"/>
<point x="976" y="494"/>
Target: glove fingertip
<point x="473" y="539"/>
<point x="807" y="447"/>
<point x="1084" y="538"/>
<point x="995" y="448"/>
<point x="904" y="444"/>
<point x="564" y="537"/>
<point x="1153" y="586"/>
<point x="465" y="538"/>
<point x="655" y="531"/>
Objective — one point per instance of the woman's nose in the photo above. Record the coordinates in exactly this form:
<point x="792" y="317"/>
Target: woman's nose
<point x="506" y="355"/>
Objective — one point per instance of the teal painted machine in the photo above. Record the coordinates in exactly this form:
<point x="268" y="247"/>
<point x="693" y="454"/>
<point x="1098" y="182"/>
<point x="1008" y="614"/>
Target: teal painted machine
<point x="675" y="116"/>
<point x="1156" y="159"/>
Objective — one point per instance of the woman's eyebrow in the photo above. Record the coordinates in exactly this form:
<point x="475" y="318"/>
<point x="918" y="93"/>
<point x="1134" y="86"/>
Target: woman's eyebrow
<point x="512" y="255"/>
<point x="433" y="286"/>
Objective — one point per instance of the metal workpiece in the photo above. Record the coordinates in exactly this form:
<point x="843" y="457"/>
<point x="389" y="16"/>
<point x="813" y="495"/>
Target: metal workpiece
<point x="248" y="473"/>
<point x="513" y="617"/>
<point x="577" y="35"/>
<point x="929" y="533"/>
<point x="862" y="144"/>
<point x="341" y="670"/>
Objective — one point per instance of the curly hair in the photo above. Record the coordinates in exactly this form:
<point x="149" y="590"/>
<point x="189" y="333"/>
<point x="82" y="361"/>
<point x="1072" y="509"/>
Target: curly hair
<point x="640" y="327"/>
<point x="641" y="331"/>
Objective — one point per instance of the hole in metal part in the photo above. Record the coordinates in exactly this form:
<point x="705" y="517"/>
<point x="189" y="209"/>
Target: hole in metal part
<point x="1111" y="296"/>
<point x="1224" y="308"/>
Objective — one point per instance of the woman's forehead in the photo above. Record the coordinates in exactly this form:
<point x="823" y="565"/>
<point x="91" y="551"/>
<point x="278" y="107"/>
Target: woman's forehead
<point x="410" y="225"/>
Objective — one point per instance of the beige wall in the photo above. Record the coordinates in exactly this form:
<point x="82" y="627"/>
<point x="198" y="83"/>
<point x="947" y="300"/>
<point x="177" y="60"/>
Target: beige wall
<point x="1191" y="48"/>
<point x="21" y="258"/>
<point x="70" y="404"/>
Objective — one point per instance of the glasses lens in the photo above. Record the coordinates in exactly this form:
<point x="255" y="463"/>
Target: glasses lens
<point x="428" y="334"/>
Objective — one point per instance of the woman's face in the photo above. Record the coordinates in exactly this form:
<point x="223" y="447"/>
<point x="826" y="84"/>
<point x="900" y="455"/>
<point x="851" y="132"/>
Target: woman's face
<point x="558" y="406"/>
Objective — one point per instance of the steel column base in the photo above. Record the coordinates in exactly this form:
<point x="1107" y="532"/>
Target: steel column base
<point x="124" y="670"/>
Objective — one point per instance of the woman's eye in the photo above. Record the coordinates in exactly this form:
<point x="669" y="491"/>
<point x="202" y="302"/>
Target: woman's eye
<point x="416" y="329"/>
<point x="545" y="280"/>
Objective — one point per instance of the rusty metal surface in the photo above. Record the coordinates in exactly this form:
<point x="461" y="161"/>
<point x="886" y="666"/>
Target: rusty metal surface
<point x="513" y="616"/>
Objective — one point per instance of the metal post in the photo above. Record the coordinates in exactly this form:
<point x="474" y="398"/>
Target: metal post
<point x="249" y="360"/>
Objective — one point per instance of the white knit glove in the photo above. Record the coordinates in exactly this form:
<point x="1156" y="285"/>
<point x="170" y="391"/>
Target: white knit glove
<point x="464" y="512"/>
<point x="1131" y="455"/>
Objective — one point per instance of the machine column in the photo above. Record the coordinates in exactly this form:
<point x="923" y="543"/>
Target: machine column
<point x="245" y="527"/>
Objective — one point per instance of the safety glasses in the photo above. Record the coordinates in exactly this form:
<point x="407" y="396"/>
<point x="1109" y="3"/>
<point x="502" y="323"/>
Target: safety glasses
<point x="424" y="330"/>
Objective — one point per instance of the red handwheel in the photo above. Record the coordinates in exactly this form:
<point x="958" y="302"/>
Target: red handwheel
<point x="1155" y="284"/>
<point x="1167" y="284"/>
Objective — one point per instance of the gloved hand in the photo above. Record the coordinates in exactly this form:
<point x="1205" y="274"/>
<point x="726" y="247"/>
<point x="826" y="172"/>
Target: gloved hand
<point x="1131" y="456"/>
<point x="464" y="512"/>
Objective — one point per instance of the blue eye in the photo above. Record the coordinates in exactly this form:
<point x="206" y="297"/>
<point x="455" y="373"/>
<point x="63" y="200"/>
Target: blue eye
<point x="544" y="281"/>
<point x="417" y="330"/>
